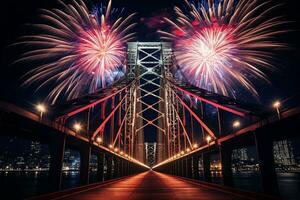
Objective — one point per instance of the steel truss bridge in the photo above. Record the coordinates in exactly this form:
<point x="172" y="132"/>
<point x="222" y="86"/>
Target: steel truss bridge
<point x="187" y="124"/>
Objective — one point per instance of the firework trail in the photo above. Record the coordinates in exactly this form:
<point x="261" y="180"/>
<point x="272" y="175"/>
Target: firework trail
<point x="221" y="45"/>
<point x="80" y="51"/>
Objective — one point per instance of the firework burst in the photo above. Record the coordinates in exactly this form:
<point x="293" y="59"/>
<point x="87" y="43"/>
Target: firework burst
<point x="80" y="50"/>
<point x="221" y="45"/>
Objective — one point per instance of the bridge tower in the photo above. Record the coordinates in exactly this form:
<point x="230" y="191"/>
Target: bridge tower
<point x="149" y="63"/>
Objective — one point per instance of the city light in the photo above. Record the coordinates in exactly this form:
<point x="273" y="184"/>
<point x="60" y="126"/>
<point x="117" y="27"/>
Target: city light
<point x="195" y="146"/>
<point x="182" y="152"/>
<point x="110" y="146"/>
<point x="208" y="139"/>
<point x="188" y="150"/>
<point x="116" y="149"/>
<point x="121" y="152"/>
<point x="77" y="127"/>
<point x="41" y="108"/>
<point x="99" y="139"/>
<point x="277" y="105"/>
<point x="236" y="124"/>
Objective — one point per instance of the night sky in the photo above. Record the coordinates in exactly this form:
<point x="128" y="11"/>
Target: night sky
<point x="16" y="13"/>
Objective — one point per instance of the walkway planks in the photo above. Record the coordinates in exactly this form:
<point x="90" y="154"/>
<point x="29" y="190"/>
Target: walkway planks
<point x="153" y="186"/>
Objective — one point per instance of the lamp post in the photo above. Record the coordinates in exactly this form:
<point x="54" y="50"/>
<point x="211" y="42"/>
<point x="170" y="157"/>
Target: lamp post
<point x="42" y="109"/>
<point x="208" y="139"/>
<point x="77" y="127"/>
<point x="277" y="105"/>
<point x="99" y="139"/>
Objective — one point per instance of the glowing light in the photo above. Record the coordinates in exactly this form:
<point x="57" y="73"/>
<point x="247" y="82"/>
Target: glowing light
<point x="182" y="152"/>
<point x="208" y="138"/>
<point x="188" y="150"/>
<point x="116" y="149"/>
<point x="110" y="146"/>
<point x="276" y="104"/>
<point x="79" y="49"/>
<point x="41" y="108"/>
<point x="220" y="46"/>
<point x="195" y="146"/>
<point x="99" y="139"/>
<point x="236" y="124"/>
<point x="77" y="127"/>
<point x="121" y="152"/>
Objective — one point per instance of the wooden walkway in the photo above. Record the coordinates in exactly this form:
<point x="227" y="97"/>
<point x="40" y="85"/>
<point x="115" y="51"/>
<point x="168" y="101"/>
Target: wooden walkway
<point x="153" y="186"/>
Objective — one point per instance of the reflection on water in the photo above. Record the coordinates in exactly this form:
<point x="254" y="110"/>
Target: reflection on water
<point x="18" y="185"/>
<point x="31" y="183"/>
<point x="289" y="184"/>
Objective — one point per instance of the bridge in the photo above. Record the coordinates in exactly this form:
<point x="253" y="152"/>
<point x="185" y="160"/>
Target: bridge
<point x="186" y="126"/>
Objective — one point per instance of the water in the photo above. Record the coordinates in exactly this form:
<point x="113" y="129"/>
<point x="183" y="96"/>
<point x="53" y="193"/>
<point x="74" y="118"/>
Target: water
<point x="18" y="185"/>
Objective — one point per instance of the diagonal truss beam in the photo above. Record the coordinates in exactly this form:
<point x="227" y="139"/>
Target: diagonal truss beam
<point x="241" y="112"/>
<point x="182" y="125"/>
<point x="102" y="125"/>
<point x="206" y="128"/>
<point x="96" y="102"/>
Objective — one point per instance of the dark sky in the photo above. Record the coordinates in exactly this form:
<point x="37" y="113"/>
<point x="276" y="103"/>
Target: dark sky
<point x="16" y="13"/>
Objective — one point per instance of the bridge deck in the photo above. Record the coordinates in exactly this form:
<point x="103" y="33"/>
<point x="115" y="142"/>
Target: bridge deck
<point x="154" y="186"/>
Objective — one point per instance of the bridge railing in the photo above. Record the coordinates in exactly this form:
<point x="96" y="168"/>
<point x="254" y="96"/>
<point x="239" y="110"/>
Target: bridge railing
<point x="262" y="134"/>
<point x="20" y="123"/>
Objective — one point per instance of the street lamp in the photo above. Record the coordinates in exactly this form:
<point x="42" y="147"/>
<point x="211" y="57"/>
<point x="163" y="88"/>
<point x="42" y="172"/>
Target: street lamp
<point x="77" y="127"/>
<point x="236" y="124"/>
<point x="208" y="139"/>
<point x="99" y="139"/>
<point x="277" y="105"/>
<point x="41" y="108"/>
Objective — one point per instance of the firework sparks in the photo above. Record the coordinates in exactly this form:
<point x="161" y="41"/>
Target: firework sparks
<point x="81" y="50"/>
<point x="220" y="45"/>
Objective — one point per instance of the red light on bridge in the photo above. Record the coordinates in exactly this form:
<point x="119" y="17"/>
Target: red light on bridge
<point x="77" y="127"/>
<point x="208" y="139"/>
<point x="99" y="139"/>
<point x="236" y="124"/>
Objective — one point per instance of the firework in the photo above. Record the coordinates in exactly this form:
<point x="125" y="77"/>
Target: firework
<point x="221" y="45"/>
<point x="77" y="49"/>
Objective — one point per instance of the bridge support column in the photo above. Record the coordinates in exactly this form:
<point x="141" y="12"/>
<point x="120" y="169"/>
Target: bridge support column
<point x="109" y="161"/>
<point x="225" y="155"/>
<point x="189" y="167"/>
<point x="122" y="168"/>
<point x="195" y="167"/>
<point x="85" y="154"/>
<point x="126" y="168"/>
<point x="57" y="150"/>
<point x="182" y="166"/>
<point x="264" y="147"/>
<point x="100" y="167"/>
<point x="173" y="168"/>
<point x="117" y="167"/>
<point x="206" y="167"/>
